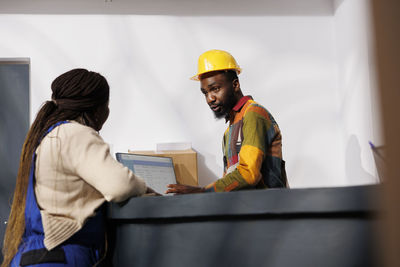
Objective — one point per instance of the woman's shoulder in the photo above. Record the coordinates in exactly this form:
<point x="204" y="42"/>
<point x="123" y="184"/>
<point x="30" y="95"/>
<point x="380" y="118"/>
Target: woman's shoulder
<point x="74" y="131"/>
<point x="73" y="127"/>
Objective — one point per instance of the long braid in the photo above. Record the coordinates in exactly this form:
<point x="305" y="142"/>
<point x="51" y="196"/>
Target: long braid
<point x="16" y="222"/>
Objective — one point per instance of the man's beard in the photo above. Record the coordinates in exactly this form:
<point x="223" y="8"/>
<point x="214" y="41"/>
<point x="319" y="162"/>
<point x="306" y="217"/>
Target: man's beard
<point x="226" y="108"/>
<point x="220" y="114"/>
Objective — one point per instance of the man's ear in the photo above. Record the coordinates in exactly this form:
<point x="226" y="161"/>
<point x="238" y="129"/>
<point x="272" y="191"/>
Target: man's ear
<point x="236" y="85"/>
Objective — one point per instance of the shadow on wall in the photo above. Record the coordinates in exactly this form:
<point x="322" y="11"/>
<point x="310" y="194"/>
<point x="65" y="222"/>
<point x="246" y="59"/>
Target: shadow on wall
<point x="355" y="174"/>
<point x="206" y="176"/>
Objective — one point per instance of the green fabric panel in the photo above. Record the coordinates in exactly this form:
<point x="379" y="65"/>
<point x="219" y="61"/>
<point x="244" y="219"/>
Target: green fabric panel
<point x="257" y="131"/>
<point x="228" y="179"/>
<point x="226" y="147"/>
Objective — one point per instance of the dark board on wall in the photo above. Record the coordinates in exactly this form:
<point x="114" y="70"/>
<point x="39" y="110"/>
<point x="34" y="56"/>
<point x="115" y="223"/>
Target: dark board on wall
<point x="14" y="125"/>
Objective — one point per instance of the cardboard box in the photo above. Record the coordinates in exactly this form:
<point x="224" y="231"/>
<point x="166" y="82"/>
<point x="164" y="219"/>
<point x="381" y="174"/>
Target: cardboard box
<point x="185" y="164"/>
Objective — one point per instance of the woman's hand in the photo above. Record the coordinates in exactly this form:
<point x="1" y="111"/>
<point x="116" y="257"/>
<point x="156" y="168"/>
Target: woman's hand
<point x="150" y="192"/>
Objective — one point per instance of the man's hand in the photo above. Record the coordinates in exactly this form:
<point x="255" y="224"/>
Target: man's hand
<point x="184" y="189"/>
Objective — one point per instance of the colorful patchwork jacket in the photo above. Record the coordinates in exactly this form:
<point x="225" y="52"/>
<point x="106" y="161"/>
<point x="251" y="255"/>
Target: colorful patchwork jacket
<point x="252" y="148"/>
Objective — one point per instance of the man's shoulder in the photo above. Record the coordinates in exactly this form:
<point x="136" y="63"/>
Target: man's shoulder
<point x="254" y="108"/>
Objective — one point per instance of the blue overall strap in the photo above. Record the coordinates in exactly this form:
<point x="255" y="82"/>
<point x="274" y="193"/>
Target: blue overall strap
<point x="52" y="127"/>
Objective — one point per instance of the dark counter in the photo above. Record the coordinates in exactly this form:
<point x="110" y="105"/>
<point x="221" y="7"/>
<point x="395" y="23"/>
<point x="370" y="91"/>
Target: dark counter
<point x="275" y="227"/>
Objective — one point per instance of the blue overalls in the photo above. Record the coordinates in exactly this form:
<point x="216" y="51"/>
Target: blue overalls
<point x="84" y="248"/>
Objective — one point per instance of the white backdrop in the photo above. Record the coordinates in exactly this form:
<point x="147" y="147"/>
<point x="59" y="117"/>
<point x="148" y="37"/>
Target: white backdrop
<point x="359" y="104"/>
<point x="290" y="65"/>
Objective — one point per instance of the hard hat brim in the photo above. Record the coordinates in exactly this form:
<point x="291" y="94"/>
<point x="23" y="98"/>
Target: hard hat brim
<point x="197" y="76"/>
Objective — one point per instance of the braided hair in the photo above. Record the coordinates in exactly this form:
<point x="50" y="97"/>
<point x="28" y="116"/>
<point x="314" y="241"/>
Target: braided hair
<point x="78" y="94"/>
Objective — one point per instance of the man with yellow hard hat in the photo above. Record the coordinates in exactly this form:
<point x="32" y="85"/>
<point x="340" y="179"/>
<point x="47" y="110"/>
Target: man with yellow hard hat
<point x="252" y="144"/>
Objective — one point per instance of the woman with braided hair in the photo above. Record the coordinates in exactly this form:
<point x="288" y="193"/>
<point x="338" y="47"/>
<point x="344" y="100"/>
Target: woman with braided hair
<point x="66" y="174"/>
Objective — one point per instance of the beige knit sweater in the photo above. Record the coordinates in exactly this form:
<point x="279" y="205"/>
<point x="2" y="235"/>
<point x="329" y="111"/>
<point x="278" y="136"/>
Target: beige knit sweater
<point x="75" y="174"/>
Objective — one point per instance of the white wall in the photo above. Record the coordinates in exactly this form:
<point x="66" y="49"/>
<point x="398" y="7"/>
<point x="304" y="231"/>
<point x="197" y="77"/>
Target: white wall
<point x="359" y="109"/>
<point x="289" y="66"/>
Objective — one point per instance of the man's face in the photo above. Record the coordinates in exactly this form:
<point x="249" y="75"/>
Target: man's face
<point x="219" y="93"/>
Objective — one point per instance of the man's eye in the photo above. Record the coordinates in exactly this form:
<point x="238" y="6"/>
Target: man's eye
<point x="216" y="89"/>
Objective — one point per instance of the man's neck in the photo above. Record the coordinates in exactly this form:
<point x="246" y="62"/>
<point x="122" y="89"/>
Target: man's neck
<point x="236" y="108"/>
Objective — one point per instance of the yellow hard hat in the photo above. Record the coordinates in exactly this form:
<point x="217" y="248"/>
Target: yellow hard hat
<point x="214" y="60"/>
